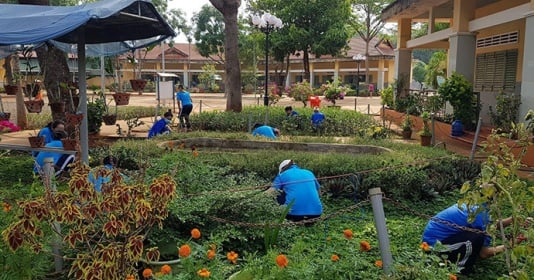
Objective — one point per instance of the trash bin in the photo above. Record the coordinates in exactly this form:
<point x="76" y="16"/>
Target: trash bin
<point x="315" y="101"/>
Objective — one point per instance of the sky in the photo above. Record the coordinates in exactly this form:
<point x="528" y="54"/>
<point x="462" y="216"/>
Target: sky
<point x="190" y="7"/>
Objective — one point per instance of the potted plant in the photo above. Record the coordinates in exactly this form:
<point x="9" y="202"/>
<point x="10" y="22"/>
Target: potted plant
<point x="406" y="127"/>
<point x="109" y="117"/>
<point x="529" y="120"/>
<point x="36" y="141"/>
<point x="138" y="83"/>
<point x="425" y="133"/>
<point x="121" y="97"/>
<point x="457" y="90"/>
<point x="332" y="91"/>
<point x="95" y="111"/>
<point x="300" y="92"/>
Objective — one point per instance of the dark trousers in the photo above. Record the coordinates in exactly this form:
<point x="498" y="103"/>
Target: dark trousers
<point x="281" y="199"/>
<point x="464" y="248"/>
<point x="184" y="116"/>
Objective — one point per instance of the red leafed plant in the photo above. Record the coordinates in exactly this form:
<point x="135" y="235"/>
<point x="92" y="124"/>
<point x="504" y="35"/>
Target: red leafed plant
<point x="104" y="230"/>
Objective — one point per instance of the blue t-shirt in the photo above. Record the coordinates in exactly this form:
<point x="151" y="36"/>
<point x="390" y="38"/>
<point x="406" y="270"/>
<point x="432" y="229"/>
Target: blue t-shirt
<point x="47" y="133"/>
<point x="293" y="114"/>
<point x="265" y="131"/>
<point x="436" y="231"/>
<point x="42" y="155"/>
<point x="317" y="118"/>
<point x="184" y="98"/>
<point x="97" y="181"/>
<point x="159" y="127"/>
<point x="301" y="186"/>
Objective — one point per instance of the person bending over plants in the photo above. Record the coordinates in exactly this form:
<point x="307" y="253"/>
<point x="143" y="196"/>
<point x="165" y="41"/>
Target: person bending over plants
<point x="265" y="131"/>
<point x="464" y="240"/>
<point x="161" y="126"/>
<point x="300" y="188"/>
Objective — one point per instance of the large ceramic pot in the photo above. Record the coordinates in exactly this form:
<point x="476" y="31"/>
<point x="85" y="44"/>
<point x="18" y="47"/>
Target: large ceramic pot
<point x="11" y="89"/>
<point x="36" y="141"/>
<point x="426" y="140"/>
<point x="34" y="106"/>
<point x="138" y="85"/>
<point x="121" y="98"/>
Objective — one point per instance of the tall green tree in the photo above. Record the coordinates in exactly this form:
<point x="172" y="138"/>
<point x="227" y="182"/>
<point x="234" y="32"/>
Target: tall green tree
<point x="209" y="33"/>
<point x="368" y="23"/>
<point x="232" y="82"/>
<point x="317" y="27"/>
<point x="437" y="66"/>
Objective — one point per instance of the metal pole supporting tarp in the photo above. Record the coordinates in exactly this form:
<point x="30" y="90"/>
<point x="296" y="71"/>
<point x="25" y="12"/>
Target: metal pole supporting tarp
<point x="84" y="134"/>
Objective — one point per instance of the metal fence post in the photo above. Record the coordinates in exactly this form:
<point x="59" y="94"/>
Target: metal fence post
<point x="48" y="176"/>
<point x="380" y="224"/>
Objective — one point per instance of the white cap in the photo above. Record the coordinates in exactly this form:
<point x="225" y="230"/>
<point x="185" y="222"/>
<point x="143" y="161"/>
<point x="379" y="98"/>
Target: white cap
<point x="283" y="164"/>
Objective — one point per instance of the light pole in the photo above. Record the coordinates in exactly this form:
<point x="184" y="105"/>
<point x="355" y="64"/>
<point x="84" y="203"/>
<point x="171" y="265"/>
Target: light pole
<point x="266" y="23"/>
<point x="359" y="58"/>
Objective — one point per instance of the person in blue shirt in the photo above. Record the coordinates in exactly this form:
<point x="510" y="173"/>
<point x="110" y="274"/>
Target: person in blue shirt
<point x="300" y="187"/>
<point x="48" y="131"/>
<point x="265" y="131"/>
<point x="317" y="119"/>
<point x="186" y="107"/>
<point x="464" y="241"/>
<point x="61" y="160"/>
<point x="290" y="112"/>
<point x="161" y="126"/>
<point x="102" y="175"/>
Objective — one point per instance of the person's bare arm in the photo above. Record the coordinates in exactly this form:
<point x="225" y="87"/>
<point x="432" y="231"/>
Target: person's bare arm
<point x="488" y="252"/>
<point x="505" y="222"/>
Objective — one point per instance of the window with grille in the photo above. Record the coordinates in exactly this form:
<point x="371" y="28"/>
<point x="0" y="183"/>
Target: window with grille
<point x="496" y="71"/>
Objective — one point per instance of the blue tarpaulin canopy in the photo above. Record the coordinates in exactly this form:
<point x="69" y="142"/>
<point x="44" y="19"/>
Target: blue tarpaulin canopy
<point x="109" y="27"/>
<point x="100" y="28"/>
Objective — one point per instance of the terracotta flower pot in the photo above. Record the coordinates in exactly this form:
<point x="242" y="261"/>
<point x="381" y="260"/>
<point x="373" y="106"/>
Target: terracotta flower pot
<point x="36" y="141"/>
<point x="34" y="106"/>
<point x="426" y="140"/>
<point x="406" y="134"/>
<point x="121" y="98"/>
<point x="73" y="119"/>
<point x="69" y="144"/>
<point x="138" y="85"/>
<point x="11" y="89"/>
<point x="110" y="119"/>
<point x="57" y="107"/>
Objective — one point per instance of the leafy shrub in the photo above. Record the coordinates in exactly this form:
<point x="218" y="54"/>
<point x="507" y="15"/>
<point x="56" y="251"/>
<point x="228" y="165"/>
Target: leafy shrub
<point x="386" y="96"/>
<point x="300" y="92"/>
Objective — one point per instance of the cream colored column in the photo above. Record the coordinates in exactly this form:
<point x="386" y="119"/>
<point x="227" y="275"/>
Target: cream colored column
<point x="336" y="70"/>
<point x="311" y="73"/>
<point x="462" y="44"/>
<point x="186" y="75"/>
<point x="403" y="55"/>
<point x="527" y="83"/>
<point x="380" y="75"/>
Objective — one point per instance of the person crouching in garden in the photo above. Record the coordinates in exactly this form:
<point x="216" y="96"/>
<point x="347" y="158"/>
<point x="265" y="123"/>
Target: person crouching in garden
<point x="265" y="131"/>
<point x="161" y="126"/>
<point x="300" y="188"/>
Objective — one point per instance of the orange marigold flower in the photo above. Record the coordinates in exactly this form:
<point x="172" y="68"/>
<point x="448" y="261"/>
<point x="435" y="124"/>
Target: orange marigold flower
<point x="347" y="233"/>
<point x="378" y="263"/>
<point x="184" y="251"/>
<point x="452" y="277"/>
<point x="424" y="246"/>
<point x="147" y="272"/>
<point x="6" y="206"/>
<point x="195" y="153"/>
<point x="281" y="261"/>
<point x="210" y="254"/>
<point x="195" y="233"/>
<point x="130" y="277"/>
<point x="204" y="273"/>
<point x="334" y="258"/>
<point x="232" y="257"/>
<point x="166" y="269"/>
<point x="365" y="246"/>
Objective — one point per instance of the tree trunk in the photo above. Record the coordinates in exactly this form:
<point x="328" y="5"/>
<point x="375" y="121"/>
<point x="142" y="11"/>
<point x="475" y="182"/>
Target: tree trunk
<point x="306" y="62"/>
<point x="22" y="118"/>
<point x="232" y="82"/>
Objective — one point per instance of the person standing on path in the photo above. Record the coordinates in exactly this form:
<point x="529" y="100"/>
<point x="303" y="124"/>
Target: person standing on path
<point x="185" y="107"/>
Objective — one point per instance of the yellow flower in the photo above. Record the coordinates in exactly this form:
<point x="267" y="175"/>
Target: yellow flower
<point x="184" y="251"/>
<point x="365" y="246"/>
<point x="378" y="263"/>
<point x="347" y="233"/>
<point x="424" y="246"/>
<point x="195" y="233"/>
<point x="281" y="261"/>
<point x="232" y="257"/>
<point x="334" y="258"/>
<point x="166" y="269"/>
<point x="210" y="254"/>
<point x="204" y="273"/>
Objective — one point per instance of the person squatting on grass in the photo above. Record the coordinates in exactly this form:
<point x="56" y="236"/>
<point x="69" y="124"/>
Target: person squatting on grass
<point x="61" y="160"/>
<point x="97" y="176"/>
<point x="300" y="187"/>
<point x="265" y="131"/>
<point x="161" y="126"/>
<point x="185" y="105"/>
<point x="463" y="246"/>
